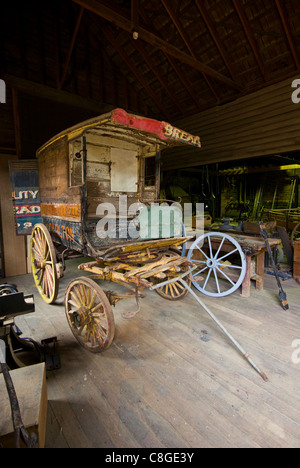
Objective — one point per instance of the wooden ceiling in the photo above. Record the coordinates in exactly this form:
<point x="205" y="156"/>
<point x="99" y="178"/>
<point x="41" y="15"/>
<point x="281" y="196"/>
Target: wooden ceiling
<point x="189" y="55"/>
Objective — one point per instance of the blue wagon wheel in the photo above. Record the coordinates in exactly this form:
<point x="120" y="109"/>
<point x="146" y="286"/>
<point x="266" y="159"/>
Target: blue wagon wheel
<point x="221" y="262"/>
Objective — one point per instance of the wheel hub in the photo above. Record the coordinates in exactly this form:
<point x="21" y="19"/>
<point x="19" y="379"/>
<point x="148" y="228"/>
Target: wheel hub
<point x="212" y="263"/>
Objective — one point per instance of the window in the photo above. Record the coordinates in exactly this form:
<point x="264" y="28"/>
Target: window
<point x="150" y="171"/>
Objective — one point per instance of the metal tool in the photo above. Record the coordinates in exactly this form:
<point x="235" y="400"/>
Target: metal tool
<point x="236" y="344"/>
<point x="282" y="294"/>
<point x="20" y="433"/>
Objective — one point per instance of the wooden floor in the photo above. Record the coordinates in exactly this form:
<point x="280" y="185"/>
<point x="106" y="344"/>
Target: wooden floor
<point x="172" y="378"/>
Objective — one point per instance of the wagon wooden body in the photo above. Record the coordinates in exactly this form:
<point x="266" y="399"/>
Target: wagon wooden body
<point x="99" y="194"/>
<point x="93" y="180"/>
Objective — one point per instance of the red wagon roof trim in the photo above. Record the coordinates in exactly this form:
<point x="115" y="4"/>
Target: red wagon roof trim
<point x="163" y="130"/>
<point x="119" y="117"/>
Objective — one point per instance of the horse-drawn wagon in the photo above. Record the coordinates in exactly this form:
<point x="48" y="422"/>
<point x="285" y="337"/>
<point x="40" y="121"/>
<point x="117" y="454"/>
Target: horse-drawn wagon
<point x="99" y="188"/>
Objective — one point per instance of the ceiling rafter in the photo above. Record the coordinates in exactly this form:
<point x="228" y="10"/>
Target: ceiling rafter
<point x="101" y="9"/>
<point x="214" y="34"/>
<point x="71" y="47"/>
<point x="250" y="37"/>
<point x="175" y="67"/>
<point x="138" y="45"/>
<point x="184" y="81"/>
<point x="174" y="17"/>
<point x="286" y="25"/>
<point x="115" y="44"/>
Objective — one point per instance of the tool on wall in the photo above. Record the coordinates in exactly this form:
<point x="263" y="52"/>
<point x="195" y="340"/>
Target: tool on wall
<point x="282" y="294"/>
<point x="294" y="185"/>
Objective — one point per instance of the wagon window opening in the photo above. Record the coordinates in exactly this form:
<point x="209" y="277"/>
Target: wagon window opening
<point x="150" y="171"/>
<point x="124" y="170"/>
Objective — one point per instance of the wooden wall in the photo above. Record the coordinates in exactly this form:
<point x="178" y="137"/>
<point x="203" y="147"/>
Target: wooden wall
<point x="14" y="246"/>
<point x="264" y="123"/>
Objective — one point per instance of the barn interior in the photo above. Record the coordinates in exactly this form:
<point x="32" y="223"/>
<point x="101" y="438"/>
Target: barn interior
<point x="228" y="72"/>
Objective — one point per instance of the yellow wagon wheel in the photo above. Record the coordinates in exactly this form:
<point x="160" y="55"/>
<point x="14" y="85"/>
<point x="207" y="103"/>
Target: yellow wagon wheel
<point x="173" y="291"/>
<point x="43" y="263"/>
<point x="89" y="314"/>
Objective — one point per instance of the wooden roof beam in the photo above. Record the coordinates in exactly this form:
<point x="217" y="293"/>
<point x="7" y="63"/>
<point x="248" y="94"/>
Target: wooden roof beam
<point x="250" y="37"/>
<point x="181" y="31"/>
<point x="73" y="40"/>
<point x="184" y="81"/>
<point x="178" y="72"/>
<point x="214" y="34"/>
<point x="110" y="37"/>
<point x="287" y="28"/>
<point x="101" y="9"/>
<point x="138" y="45"/>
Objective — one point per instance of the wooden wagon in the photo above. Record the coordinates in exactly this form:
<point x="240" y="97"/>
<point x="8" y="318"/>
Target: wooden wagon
<point x="99" y="184"/>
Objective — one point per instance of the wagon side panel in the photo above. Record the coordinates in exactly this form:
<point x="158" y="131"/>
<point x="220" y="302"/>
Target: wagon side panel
<point x="60" y="202"/>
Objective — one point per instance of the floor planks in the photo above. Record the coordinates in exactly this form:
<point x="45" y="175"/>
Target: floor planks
<point x="172" y="378"/>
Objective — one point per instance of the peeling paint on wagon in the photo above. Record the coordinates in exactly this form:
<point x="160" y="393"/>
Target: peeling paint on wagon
<point x="62" y="211"/>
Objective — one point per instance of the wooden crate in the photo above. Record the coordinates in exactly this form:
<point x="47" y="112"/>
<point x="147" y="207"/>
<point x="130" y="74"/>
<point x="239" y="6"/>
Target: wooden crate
<point x="30" y="386"/>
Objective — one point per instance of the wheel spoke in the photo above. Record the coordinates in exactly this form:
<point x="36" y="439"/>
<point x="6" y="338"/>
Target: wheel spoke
<point x="201" y="271"/>
<point x="237" y="267"/>
<point x="217" y="281"/>
<point x="175" y="288"/>
<point x="97" y="307"/>
<point x="38" y="247"/>
<point x="227" y="277"/>
<point x="210" y="248"/>
<point x="203" y="253"/>
<point x="207" y="279"/>
<point x="219" y="249"/>
<point x="228" y="255"/>
<point x="70" y="301"/>
<point x="92" y="301"/>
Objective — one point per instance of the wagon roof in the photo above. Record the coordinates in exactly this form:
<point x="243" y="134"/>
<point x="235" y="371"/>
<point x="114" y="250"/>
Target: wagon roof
<point x="121" y="124"/>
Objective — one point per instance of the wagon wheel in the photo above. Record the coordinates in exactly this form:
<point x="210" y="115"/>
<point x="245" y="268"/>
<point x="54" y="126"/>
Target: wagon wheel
<point x="89" y="314"/>
<point x="221" y="273"/>
<point x="173" y="291"/>
<point x="296" y="233"/>
<point x="43" y="263"/>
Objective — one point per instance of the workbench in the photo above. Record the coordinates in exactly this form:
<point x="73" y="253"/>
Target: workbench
<point x="254" y="248"/>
